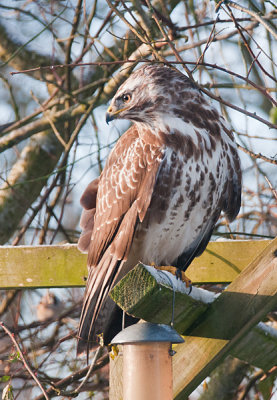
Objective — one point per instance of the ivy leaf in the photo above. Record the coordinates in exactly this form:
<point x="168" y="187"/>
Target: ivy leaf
<point x="14" y="357"/>
<point x="5" y="378"/>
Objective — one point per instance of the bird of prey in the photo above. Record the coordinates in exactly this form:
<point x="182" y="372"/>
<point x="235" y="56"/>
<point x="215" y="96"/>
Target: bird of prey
<point x="161" y="192"/>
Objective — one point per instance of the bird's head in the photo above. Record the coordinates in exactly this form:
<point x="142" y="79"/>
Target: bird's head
<point x="146" y="94"/>
<point x="120" y="105"/>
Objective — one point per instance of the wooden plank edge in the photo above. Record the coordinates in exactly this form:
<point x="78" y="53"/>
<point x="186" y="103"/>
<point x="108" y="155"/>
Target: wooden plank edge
<point x="229" y="319"/>
<point x="64" y="266"/>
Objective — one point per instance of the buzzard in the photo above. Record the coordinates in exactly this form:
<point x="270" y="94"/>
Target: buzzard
<point x="161" y="192"/>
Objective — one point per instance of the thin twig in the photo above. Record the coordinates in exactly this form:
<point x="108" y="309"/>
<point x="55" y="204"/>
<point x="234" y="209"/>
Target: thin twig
<point x="11" y="335"/>
<point x="274" y="191"/>
<point x="74" y="377"/>
<point x="257" y="156"/>
<point x="262" y="89"/>
<point x="209" y="41"/>
<point x="62" y="164"/>
<point x="98" y="353"/>
<point x="254" y="15"/>
<point x="240" y="30"/>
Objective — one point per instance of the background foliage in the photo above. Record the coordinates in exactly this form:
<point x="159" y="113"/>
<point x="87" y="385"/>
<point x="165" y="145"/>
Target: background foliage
<point x="61" y="62"/>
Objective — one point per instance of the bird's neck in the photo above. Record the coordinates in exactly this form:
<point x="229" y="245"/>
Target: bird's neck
<point x="157" y="130"/>
<point x="149" y="133"/>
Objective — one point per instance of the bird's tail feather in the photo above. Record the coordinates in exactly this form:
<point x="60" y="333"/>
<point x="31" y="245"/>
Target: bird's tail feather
<point x="102" y="278"/>
<point x="99" y="283"/>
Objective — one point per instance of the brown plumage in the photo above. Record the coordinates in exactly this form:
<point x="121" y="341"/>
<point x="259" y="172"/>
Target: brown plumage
<point x="161" y="191"/>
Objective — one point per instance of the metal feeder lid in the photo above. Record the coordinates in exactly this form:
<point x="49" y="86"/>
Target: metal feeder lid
<point x="147" y="332"/>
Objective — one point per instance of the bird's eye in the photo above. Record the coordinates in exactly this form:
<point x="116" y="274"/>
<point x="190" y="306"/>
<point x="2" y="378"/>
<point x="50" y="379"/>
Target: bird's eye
<point x="126" y="97"/>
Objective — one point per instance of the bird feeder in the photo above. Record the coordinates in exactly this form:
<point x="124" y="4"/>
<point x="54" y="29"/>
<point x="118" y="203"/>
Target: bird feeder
<point x="147" y="360"/>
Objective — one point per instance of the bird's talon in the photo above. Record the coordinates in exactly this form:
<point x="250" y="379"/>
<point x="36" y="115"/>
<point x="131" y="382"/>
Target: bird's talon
<point x="114" y="351"/>
<point x="177" y="272"/>
<point x="181" y="275"/>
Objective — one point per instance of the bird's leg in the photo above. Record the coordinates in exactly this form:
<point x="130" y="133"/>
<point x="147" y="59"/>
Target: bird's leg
<point x="181" y="275"/>
<point x="175" y="271"/>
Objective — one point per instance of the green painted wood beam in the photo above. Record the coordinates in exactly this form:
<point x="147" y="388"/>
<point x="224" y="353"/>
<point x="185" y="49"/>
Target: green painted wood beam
<point x="65" y="266"/>
<point x="234" y="313"/>
<point x="41" y="266"/>
<point x="141" y="294"/>
<point x="222" y="261"/>
<point x="258" y="347"/>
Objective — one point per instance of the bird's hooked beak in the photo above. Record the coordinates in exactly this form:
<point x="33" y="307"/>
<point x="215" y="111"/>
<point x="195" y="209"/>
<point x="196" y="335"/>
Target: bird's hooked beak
<point x="109" y="115"/>
<point x="112" y="113"/>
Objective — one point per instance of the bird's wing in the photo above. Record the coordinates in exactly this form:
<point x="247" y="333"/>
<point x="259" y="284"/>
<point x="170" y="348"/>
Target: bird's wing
<point x="124" y="193"/>
<point x="232" y="194"/>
